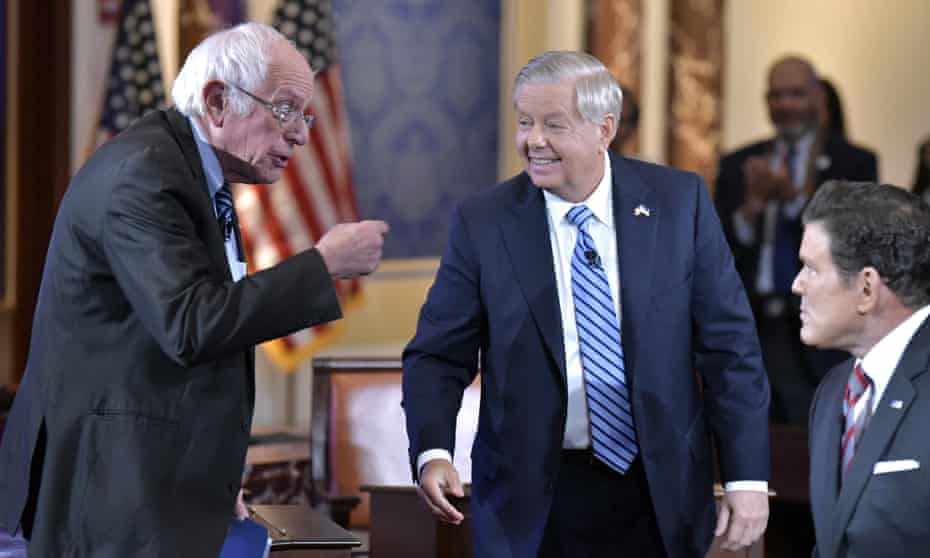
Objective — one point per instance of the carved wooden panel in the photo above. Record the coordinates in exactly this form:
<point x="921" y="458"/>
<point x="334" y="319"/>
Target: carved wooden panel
<point x="696" y="85"/>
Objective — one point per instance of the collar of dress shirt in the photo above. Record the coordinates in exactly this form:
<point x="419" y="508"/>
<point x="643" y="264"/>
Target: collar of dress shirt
<point x="882" y="359"/>
<point x="802" y="146"/>
<point x="208" y="158"/>
<point x="600" y="202"/>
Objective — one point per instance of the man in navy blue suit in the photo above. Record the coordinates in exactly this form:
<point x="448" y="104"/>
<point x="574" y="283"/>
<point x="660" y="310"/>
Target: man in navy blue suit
<point x="614" y="339"/>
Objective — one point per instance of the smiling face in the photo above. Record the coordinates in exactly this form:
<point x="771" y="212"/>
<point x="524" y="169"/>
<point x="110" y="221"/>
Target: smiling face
<point x="791" y="98"/>
<point x="561" y="151"/>
<point x="254" y="147"/>
<point x="829" y="303"/>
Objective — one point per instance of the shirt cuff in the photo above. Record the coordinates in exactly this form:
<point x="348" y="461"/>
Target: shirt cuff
<point x="744" y="231"/>
<point x="429" y="455"/>
<point x="751" y="486"/>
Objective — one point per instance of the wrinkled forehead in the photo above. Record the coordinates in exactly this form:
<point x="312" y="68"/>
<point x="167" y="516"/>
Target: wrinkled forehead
<point x="289" y="77"/>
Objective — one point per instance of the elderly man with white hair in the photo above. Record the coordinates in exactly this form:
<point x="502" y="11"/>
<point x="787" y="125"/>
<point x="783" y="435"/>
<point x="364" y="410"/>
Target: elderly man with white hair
<point x="613" y="335"/>
<point x="129" y="432"/>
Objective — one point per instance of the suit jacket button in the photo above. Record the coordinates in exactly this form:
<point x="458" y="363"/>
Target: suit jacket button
<point x="245" y="427"/>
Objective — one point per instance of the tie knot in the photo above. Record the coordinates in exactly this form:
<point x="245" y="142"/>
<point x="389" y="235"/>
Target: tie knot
<point x="224" y="210"/>
<point x="856" y="385"/>
<point x="579" y="215"/>
<point x="861" y="379"/>
<point x="223" y="197"/>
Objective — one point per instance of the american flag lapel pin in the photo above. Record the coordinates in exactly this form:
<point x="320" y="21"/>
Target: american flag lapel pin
<point x="897" y="404"/>
<point x="641" y="210"/>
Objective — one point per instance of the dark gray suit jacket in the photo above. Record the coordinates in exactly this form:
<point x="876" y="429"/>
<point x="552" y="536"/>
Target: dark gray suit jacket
<point x="875" y="516"/>
<point x="129" y="432"/>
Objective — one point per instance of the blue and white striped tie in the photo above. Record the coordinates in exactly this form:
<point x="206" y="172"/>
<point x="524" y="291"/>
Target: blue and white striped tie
<point x="224" y="210"/>
<point x="613" y="435"/>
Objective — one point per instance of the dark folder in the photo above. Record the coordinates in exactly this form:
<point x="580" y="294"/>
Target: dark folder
<point x="292" y="527"/>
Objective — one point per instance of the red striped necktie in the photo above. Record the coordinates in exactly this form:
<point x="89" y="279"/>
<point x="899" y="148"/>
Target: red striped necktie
<point x="856" y="387"/>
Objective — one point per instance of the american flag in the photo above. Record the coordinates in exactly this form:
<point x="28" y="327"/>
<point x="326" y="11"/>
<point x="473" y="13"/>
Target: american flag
<point x="134" y="85"/>
<point x="316" y="190"/>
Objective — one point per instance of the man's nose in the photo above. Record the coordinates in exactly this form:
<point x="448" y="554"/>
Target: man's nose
<point x="297" y="133"/>
<point x="536" y="138"/>
<point x="796" y="284"/>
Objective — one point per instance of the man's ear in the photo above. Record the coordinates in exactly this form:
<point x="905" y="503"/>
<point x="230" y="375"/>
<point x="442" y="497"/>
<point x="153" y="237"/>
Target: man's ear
<point x="214" y="102"/>
<point x="608" y="129"/>
<point x="869" y="282"/>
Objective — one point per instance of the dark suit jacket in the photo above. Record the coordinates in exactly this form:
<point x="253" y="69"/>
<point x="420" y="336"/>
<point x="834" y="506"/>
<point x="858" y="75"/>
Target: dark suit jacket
<point x="683" y="308"/>
<point x="808" y="365"/>
<point x="134" y="413"/>
<point x="846" y="161"/>
<point x="874" y="516"/>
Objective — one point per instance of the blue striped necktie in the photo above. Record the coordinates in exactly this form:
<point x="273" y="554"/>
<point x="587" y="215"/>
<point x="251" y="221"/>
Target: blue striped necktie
<point x="613" y="436"/>
<point x="223" y="201"/>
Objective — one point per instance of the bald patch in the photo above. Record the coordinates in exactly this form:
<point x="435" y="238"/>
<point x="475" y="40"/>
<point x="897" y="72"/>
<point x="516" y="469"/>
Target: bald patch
<point x="793" y="65"/>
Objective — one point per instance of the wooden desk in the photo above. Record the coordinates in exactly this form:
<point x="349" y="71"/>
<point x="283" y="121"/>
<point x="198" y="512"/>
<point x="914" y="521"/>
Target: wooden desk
<point x="401" y="527"/>
<point x="359" y="435"/>
<point x="277" y="469"/>
<point x="301" y="532"/>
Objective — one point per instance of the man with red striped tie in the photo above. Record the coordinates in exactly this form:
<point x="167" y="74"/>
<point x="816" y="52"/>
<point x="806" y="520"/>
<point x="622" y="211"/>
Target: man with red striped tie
<point x="865" y="288"/>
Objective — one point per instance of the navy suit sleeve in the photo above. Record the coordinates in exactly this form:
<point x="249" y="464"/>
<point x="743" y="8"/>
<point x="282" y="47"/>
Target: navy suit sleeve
<point x="727" y="353"/>
<point x="442" y="359"/>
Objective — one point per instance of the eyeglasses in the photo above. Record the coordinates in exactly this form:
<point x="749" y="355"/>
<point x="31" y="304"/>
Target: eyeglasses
<point x="284" y="112"/>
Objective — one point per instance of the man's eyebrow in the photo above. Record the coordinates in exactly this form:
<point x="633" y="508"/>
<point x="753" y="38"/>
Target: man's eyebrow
<point x="287" y="94"/>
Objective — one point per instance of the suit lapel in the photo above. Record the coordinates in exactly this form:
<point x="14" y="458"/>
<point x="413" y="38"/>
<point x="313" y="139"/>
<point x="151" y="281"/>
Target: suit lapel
<point x="825" y="454"/>
<point x="636" y="239"/>
<point x="882" y="427"/>
<point x="525" y="231"/>
<point x="181" y="128"/>
<point x="216" y="246"/>
<point x="240" y="250"/>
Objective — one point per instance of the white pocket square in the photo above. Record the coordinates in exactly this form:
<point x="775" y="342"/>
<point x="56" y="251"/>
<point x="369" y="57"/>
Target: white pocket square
<point x="895" y="466"/>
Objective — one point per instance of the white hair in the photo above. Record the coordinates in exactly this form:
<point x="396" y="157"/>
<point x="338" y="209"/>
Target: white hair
<point x="596" y="91"/>
<point x="238" y="56"/>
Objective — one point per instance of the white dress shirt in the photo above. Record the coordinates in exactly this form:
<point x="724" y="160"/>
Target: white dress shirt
<point x="214" y="173"/>
<point x="562" y="237"/>
<point x="880" y="362"/>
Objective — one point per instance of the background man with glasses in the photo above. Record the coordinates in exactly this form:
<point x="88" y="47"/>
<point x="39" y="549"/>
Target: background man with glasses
<point x="129" y="433"/>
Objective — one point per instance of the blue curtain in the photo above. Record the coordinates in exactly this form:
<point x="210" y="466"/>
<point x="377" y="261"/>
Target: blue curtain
<point x="421" y="90"/>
